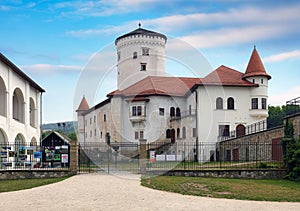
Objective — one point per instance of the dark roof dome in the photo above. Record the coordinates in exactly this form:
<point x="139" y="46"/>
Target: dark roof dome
<point x="141" y="31"/>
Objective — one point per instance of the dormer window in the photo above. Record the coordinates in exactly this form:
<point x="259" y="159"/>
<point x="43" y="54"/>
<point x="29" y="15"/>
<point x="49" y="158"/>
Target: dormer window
<point x="145" y="51"/>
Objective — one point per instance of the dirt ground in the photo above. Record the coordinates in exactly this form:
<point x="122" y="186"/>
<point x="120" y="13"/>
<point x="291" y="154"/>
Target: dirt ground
<point x="120" y="192"/>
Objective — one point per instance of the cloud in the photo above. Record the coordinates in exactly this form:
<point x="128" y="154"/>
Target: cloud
<point x="283" y="56"/>
<point x="280" y="99"/>
<point x="49" y="69"/>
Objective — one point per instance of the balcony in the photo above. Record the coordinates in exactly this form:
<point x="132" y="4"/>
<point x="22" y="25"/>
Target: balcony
<point x="139" y="118"/>
<point x="258" y="113"/>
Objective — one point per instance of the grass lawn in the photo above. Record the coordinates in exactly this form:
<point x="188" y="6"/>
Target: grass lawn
<point x="14" y="185"/>
<point x="259" y="190"/>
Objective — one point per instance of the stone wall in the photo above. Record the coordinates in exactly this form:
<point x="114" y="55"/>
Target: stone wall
<point x="295" y="119"/>
<point x="238" y="174"/>
<point x="33" y="174"/>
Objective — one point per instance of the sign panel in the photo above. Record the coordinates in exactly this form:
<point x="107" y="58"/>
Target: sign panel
<point x="160" y="157"/>
<point x="64" y="158"/>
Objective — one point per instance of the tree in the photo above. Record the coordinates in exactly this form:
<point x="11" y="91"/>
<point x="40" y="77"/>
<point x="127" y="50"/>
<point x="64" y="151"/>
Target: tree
<point x="73" y="136"/>
<point x="276" y="115"/>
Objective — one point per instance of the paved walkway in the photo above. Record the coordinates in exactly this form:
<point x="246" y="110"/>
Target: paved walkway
<point x="107" y="192"/>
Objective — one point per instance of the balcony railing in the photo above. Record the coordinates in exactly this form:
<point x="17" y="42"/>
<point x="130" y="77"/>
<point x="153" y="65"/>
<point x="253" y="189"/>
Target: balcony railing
<point x="183" y="114"/>
<point x="293" y="106"/>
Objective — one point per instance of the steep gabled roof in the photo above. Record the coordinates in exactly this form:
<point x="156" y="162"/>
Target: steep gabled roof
<point x="158" y="85"/>
<point x="255" y="66"/>
<point x="83" y="106"/>
<point x="226" y="76"/>
<point x="19" y="72"/>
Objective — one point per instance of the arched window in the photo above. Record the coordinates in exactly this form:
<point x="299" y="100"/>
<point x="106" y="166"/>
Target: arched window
<point x="168" y="134"/>
<point x="230" y="103"/>
<point x="178" y="114"/>
<point x="172" y="111"/>
<point x="3" y="138"/>
<point x="19" y="140"/>
<point x="178" y="132"/>
<point x="33" y="142"/>
<point x="32" y="113"/>
<point x="183" y="132"/>
<point x="134" y="55"/>
<point x="219" y="103"/>
<point x="18" y="105"/>
<point x="2" y="98"/>
<point x="173" y="135"/>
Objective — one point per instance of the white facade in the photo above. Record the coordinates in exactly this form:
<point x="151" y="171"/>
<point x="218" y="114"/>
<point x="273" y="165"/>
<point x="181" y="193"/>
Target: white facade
<point x="157" y="108"/>
<point x="19" y="105"/>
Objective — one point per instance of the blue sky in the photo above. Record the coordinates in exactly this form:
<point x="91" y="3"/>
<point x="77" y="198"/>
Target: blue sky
<point x="53" y="41"/>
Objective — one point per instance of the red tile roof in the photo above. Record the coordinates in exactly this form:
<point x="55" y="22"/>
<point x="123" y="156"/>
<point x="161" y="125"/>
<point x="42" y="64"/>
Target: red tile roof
<point x="226" y="76"/>
<point x="255" y="66"/>
<point x="83" y="105"/>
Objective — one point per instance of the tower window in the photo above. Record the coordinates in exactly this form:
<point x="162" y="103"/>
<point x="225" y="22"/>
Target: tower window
<point x="119" y="56"/>
<point x="254" y="103"/>
<point x="134" y="55"/>
<point x="161" y="111"/>
<point x="143" y="66"/>
<point x="230" y="103"/>
<point x="263" y="103"/>
<point x="262" y="81"/>
<point x="145" y="51"/>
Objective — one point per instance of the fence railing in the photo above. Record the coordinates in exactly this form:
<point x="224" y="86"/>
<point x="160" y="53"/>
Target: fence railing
<point x="293" y="106"/>
<point x="15" y="157"/>
<point x="250" y="129"/>
<point x="213" y="156"/>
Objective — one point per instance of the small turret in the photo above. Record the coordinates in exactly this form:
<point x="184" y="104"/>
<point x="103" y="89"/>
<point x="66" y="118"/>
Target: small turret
<point x="83" y="106"/>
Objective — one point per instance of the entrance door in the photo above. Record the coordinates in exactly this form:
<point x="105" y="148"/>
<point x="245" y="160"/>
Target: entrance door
<point x="173" y="135"/>
<point x="277" y="153"/>
<point x="240" y="130"/>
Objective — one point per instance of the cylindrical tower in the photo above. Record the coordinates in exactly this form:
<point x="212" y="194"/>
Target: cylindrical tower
<point x="141" y="53"/>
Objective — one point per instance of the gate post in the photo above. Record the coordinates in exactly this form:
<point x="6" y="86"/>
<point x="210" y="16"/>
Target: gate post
<point x="73" y="157"/>
<point x="143" y="155"/>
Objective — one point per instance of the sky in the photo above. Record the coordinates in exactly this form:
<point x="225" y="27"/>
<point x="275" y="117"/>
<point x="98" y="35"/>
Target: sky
<point x="53" y="42"/>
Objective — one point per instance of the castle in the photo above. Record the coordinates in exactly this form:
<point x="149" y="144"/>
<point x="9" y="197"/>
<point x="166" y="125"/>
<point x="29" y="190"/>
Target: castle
<point x="150" y="105"/>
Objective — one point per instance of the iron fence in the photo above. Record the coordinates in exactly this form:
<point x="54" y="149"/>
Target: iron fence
<point x="97" y="156"/>
<point x="214" y="156"/>
<point x="26" y="156"/>
<point x="293" y="106"/>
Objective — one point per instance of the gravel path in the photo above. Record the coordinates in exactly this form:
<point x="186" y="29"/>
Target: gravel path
<point x="107" y="192"/>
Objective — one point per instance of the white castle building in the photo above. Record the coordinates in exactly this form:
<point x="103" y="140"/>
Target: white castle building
<point x="20" y="106"/>
<point x="149" y="105"/>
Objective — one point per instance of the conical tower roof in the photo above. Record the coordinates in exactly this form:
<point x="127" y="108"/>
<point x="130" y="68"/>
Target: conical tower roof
<point x="83" y="106"/>
<point x="255" y="66"/>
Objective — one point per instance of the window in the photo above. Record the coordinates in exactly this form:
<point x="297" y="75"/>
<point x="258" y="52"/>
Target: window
<point x="134" y="55"/>
<point x="145" y="51"/>
<point x="223" y="130"/>
<point x="136" y="135"/>
<point x="161" y="111"/>
<point x="104" y="117"/>
<point x="172" y="111"/>
<point x="194" y="132"/>
<point x="190" y="109"/>
<point x="95" y="133"/>
<point x="263" y="103"/>
<point x="178" y="114"/>
<point x="230" y="103"/>
<point x="101" y="134"/>
<point x="136" y="110"/>
<point x="141" y="134"/>
<point x="178" y="132"/>
<point x="253" y="81"/>
<point x="119" y="56"/>
<point x="3" y="98"/>
<point x="32" y="112"/>
<point x="94" y="119"/>
<point x="143" y="66"/>
<point x="183" y="132"/>
<point x="168" y="133"/>
<point x="254" y="103"/>
<point x="262" y="81"/>
<point x="219" y="103"/>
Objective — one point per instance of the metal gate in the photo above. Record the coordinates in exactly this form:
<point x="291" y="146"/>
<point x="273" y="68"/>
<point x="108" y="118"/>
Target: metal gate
<point x="115" y="157"/>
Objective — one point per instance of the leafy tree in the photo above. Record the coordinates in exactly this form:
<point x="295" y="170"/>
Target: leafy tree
<point x="291" y="152"/>
<point x="73" y="136"/>
<point x="276" y="115"/>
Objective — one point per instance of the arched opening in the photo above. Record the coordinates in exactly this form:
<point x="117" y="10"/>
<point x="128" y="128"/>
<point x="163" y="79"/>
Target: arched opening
<point x="2" y="98"/>
<point x="3" y="138"/>
<point x="240" y="130"/>
<point x="183" y="132"/>
<point x="168" y="134"/>
<point x="32" y="113"/>
<point x="178" y="132"/>
<point x="172" y="111"/>
<point x="18" y="105"/>
<point x="19" y="140"/>
<point x="178" y="114"/>
<point x="172" y="136"/>
<point x="219" y="103"/>
<point x="134" y="55"/>
<point x="230" y="103"/>
<point x="33" y="142"/>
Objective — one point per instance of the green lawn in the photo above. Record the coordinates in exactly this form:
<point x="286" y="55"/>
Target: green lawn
<point x="259" y="190"/>
<point x="14" y="185"/>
